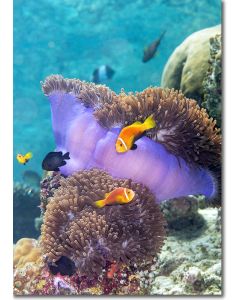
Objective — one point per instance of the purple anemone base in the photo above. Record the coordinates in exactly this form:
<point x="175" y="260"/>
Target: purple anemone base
<point x="90" y="145"/>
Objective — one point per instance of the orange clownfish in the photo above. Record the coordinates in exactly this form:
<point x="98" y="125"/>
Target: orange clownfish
<point x="131" y="133"/>
<point x="23" y="159"/>
<point x="117" y="196"/>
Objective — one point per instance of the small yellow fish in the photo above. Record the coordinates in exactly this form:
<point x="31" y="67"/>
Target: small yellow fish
<point x="23" y="159"/>
<point x="117" y="196"/>
<point x="131" y="133"/>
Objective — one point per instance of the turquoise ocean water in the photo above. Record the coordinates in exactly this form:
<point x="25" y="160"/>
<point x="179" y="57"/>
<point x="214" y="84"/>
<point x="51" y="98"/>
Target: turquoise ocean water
<point x="73" y="37"/>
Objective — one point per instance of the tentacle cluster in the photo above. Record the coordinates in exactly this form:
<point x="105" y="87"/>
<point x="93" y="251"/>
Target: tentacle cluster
<point x="182" y="127"/>
<point x="90" y="236"/>
<point x="90" y="94"/>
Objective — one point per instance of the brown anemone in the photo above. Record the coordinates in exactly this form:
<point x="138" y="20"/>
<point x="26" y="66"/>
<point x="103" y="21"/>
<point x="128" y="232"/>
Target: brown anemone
<point x="73" y="227"/>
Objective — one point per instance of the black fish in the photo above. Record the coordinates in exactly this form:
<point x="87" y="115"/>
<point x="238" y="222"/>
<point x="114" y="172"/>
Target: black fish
<point x="102" y="73"/>
<point x="151" y="50"/>
<point x="54" y="160"/>
<point x="64" y="266"/>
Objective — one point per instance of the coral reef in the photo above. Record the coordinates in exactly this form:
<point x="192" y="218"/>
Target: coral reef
<point x="91" y="237"/>
<point x="182" y="267"/>
<point x="189" y="264"/>
<point x="212" y="89"/>
<point x="185" y="138"/>
<point x="190" y="261"/>
<point x="35" y="279"/>
<point x="25" y="210"/>
<point x="189" y="64"/>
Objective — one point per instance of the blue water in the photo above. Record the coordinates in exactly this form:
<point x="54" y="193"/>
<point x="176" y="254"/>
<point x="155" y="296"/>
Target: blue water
<point x="73" y="37"/>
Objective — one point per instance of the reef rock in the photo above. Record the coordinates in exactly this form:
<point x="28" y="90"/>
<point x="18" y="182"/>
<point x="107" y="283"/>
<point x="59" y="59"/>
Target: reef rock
<point x="189" y="63"/>
<point x="183" y="212"/>
<point x="190" y="261"/>
<point x="212" y="83"/>
<point x="32" y="276"/>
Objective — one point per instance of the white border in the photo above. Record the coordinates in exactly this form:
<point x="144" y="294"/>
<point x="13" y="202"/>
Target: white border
<point x="6" y="146"/>
<point x="231" y="150"/>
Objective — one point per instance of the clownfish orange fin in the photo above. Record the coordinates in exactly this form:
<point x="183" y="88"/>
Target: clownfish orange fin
<point x="134" y="147"/>
<point x="100" y="203"/>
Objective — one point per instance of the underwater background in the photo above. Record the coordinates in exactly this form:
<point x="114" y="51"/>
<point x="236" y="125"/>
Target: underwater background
<point x="74" y="37"/>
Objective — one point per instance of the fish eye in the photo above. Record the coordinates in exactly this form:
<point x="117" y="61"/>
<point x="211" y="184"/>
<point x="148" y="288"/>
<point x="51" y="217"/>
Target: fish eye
<point x="121" y="145"/>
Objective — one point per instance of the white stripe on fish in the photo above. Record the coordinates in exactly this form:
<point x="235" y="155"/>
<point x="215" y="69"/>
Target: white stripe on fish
<point x="122" y="141"/>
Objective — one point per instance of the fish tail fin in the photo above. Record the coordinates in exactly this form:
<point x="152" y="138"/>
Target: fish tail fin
<point x="162" y="34"/>
<point x="149" y="123"/>
<point x="28" y="155"/>
<point x="100" y="203"/>
<point x="66" y="155"/>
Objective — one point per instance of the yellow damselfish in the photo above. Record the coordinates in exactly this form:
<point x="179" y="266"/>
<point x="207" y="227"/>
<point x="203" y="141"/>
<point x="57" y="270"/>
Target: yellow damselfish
<point x="131" y="133"/>
<point x="23" y="159"/>
<point x="117" y="196"/>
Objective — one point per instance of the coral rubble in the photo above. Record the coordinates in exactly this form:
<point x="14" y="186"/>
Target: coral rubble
<point x="190" y="261"/>
<point x="91" y="237"/>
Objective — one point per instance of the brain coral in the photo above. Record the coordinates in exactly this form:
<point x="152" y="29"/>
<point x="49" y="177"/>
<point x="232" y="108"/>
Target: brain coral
<point x="178" y="153"/>
<point x="189" y="63"/>
<point x="91" y="237"/>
